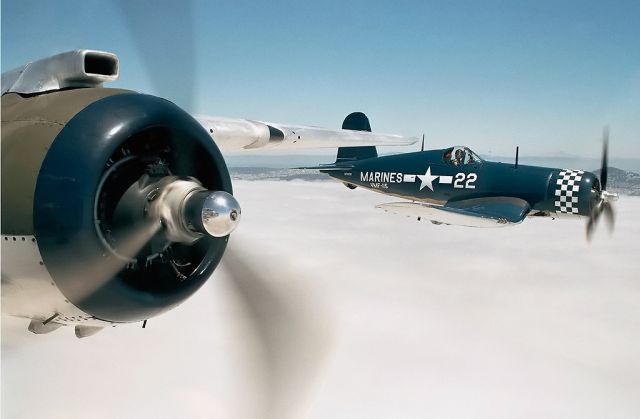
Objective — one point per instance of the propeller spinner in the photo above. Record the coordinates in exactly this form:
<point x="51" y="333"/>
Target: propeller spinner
<point x="185" y="210"/>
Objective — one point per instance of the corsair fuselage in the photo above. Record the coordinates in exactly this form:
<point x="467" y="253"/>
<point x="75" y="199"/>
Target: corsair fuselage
<point x="429" y="177"/>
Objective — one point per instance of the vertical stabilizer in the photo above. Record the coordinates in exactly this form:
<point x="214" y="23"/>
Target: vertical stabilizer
<point x="356" y="121"/>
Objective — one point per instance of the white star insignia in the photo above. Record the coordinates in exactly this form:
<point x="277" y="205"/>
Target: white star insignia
<point x="427" y="179"/>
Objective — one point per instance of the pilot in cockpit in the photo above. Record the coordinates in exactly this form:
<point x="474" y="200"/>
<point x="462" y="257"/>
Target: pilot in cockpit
<point x="459" y="157"/>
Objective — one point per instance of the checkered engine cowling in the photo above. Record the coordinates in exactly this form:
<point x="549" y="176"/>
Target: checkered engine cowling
<point x="567" y="200"/>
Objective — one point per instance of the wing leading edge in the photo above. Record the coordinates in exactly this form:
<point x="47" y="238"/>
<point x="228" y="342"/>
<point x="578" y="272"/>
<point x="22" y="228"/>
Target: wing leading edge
<point x="234" y="134"/>
<point x="477" y="212"/>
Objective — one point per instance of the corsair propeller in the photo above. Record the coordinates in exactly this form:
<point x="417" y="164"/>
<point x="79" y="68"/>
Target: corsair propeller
<point x="601" y="199"/>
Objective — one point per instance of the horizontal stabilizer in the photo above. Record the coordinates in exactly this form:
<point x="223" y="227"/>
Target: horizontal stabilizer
<point x="346" y="157"/>
<point x="327" y="167"/>
<point x="478" y="212"/>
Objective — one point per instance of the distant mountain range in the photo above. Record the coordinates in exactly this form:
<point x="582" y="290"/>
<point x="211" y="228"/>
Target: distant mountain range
<point x="620" y="181"/>
<point x="269" y="173"/>
<point x="558" y="160"/>
<point x="568" y="161"/>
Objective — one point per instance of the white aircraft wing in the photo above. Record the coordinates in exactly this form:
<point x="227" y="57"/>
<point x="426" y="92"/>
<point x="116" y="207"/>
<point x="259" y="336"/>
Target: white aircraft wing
<point x="233" y="134"/>
<point x="478" y="212"/>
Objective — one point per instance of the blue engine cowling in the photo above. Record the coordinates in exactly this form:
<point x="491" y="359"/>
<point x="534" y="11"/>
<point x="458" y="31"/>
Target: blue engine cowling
<point x="570" y="192"/>
<point x="98" y="154"/>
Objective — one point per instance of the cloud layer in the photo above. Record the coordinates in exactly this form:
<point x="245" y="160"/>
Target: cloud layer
<point x="425" y="321"/>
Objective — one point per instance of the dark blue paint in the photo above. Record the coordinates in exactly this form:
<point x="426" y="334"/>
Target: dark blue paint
<point x="65" y="197"/>
<point x="533" y="184"/>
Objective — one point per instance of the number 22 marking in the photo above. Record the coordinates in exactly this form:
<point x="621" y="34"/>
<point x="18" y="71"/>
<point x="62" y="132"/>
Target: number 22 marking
<point x="460" y="181"/>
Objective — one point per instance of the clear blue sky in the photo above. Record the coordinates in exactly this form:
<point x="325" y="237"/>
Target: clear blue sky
<point x="546" y="75"/>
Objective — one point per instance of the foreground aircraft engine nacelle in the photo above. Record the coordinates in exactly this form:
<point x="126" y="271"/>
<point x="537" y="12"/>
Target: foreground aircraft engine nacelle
<point x="116" y="206"/>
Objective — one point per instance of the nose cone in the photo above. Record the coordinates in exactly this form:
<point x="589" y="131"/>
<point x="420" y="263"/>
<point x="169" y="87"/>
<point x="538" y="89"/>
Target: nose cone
<point x="589" y="188"/>
<point x="590" y="181"/>
<point x="220" y="214"/>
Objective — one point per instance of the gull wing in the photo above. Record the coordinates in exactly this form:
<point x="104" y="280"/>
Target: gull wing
<point x="477" y="212"/>
<point x="235" y="134"/>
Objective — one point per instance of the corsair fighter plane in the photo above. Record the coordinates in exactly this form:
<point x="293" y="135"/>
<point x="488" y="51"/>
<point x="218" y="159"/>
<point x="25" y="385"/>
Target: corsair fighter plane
<point x="455" y="186"/>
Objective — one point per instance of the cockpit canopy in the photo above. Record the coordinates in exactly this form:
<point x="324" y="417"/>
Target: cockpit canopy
<point x="459" y="156"/>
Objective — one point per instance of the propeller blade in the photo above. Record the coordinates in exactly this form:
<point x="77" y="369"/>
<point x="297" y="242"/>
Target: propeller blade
<point x="165" y="42"/>
<point x="591" y="225"/>
<point x="594" y="218"/>
<point x="600" y="200"/>
<point x="604" y="169"/>
<point x="292" y="337"/>
<point x="609" y="215"/>
<point x="422" y="148"/>
<point x="293" y="343"/>
<point x="102" y="268"/>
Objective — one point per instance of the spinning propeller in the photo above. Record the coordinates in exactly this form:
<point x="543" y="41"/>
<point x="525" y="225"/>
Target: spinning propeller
<point x="601" y="199"/>
<point x="166" y="212"/>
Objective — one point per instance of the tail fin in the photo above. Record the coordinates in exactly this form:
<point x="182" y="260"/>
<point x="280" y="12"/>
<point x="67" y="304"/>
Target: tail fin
<point x="356" y="121"/>
<point x="346" y="154"/>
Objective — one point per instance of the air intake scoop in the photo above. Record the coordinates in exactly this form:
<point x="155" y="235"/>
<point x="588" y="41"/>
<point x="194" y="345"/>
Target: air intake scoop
<point x="79" y="68"/>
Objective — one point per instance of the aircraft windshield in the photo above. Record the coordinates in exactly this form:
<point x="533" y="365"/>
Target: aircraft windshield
<point x="459" y="156"/>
